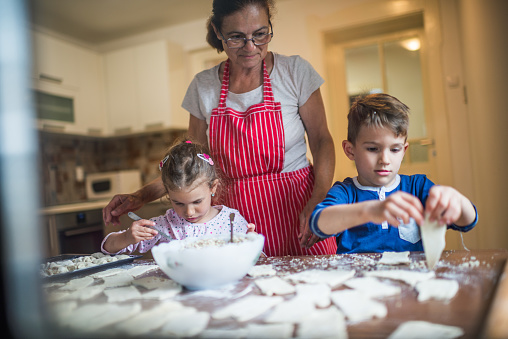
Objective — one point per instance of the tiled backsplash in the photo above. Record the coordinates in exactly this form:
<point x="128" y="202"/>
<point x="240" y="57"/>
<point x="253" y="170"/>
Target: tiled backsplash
<point x="61" y="154"/>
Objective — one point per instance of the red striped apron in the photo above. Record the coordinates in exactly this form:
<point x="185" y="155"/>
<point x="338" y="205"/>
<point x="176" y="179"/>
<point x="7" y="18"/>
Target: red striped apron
<point x="249" y="149"/>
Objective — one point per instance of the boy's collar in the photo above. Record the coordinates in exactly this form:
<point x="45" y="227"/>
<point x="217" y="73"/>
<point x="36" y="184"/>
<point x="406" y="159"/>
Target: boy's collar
<point x="377" y="189"/>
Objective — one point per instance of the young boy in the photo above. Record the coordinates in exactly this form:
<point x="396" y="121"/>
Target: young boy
<point x="379" y="209"/>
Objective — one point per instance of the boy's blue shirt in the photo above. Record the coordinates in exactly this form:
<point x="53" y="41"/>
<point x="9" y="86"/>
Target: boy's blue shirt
<point x="372" y="237"/>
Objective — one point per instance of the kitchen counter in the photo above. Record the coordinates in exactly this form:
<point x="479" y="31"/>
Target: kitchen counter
<point x="75" y="207"/>
<point x="478" y="272"/>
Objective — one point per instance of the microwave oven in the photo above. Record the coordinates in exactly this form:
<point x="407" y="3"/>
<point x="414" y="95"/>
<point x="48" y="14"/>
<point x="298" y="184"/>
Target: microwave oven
<point x="107" y="184"/>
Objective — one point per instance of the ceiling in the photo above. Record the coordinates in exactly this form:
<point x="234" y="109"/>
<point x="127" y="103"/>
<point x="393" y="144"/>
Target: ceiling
<point x="99" y="21"/>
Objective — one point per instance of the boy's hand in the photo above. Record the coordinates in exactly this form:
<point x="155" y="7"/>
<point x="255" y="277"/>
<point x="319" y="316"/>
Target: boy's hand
<point x="445" y="204"/>
<point x="140" y="230"/>
<point x="398" y="206"/>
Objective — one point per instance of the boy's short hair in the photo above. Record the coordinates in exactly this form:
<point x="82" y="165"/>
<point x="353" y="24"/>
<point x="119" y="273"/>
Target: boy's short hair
<point x="379" y="110"/>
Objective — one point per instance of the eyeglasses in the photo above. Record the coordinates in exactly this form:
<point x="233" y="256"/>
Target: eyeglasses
<point x="257" y="39"/>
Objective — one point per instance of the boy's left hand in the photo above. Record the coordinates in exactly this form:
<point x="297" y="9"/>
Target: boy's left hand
<point x="445" y="204"/>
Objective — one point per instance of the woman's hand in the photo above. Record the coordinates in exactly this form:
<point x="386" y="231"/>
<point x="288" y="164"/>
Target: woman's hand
<point x="120" y="205"/>
<point x="307" y="238"/>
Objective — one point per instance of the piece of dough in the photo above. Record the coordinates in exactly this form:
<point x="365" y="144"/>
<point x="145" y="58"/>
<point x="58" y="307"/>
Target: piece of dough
<point x="425" y="330"/>
<point x="187" y="322"/>
<point x="248" y="307"/>
<point x="269" y="331"/>
<point x="433" y="239"/>
<point x="151" y="283"/>
<point x="111" y="271"/>
<point x="372" y="287"/>
<point x="319" y="294"/>
<point x="118" y="280"/>
<point x="274" y="285"/>
<point x="291" y="311"/>
<point x="138" y="271"/>
<point x="438" y="289"/>
<point x="76" y="284"/>
<point x="357" y="306"/>
<point x="224" y="333"/>
<point x="326" y="323"/>
<point x="122" y="294"/>
<point x="395" y="258"/>
<point x="409" y="277"/>
<point x="150" y="320"/>
<point x="262" y="270"/>
<point x="331" y="277"/>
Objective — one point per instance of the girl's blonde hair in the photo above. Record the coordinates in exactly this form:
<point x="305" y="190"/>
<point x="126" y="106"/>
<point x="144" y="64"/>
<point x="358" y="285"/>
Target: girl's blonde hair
<point x="186" y="165"/>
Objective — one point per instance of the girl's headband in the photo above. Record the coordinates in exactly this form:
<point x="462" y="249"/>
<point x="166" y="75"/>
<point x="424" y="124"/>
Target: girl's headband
<point x="203" y="156"/>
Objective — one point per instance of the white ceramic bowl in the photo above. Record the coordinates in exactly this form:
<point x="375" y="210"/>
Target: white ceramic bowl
<point x="208" y="266"/>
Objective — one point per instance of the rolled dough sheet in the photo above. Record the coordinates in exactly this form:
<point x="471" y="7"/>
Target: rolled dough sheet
<point x="149" y="320"/>
<point x="437" y="289"/>
<point x="319" y="294"/>
<point x="395" y="258"/>
<point x="274" y="285"/>
<point x="186" y="323"/>
<point x="122" y="294"/>
<point x="409" y="277"/>
<point x="331" y="277"/>
<point x="291" y="311"/>
<point x="248" y="307"/>
<point x="372" y="287"/>
<point x="269" y="331"/>
<point x="357" y="306"/>
<point x="425" y="330"/>
<point x="262" y="270"/>
<point x="433" y="239"/>
<point x="325" y="323"/>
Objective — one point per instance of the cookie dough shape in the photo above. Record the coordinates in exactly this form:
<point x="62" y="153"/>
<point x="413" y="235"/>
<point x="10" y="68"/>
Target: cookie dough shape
<point x="424" y="330"/>
<point x="395" y="258"/>
<point x="357" y="306"/>
<point x="433" y="239"/>
<point x="333" y="278"/>
<point x="437" y="289"/>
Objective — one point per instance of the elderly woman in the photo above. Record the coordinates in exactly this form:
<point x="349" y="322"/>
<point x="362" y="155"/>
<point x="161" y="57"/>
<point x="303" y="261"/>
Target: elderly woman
<point x="253" y="110"/>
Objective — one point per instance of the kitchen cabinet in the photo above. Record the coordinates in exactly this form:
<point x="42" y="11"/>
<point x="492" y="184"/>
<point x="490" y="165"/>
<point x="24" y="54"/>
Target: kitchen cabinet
<point x="143" y="91"/>
<point x="67" y="70"/>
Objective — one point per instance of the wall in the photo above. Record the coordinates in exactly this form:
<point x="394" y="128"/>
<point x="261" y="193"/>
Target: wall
<point x="60" y="154"/>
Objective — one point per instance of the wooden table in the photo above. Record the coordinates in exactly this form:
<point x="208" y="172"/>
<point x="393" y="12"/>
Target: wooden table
<point x="478" y="272"/>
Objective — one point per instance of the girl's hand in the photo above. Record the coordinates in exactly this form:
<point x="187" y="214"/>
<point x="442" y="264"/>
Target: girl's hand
<point x="140" y="230"/>
<point x="398" y="206"/>
<point x="446" y="205"/>
<point x="251" y="228"/>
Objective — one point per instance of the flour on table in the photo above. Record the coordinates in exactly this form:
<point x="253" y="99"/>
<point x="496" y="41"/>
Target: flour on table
<point x="372" y="287"/>
<point x="274" y="285"/>
<point x="357" y="306"/>
<point x="138" y="271"/>
<point x="319" y="293"/>
<point x="122" y="294"/>
<point x="78" y="283"/>
<point x="248" y="307"/>
<point x="149" y="320"/>
<point x="409" y="277"/>
<point x="187" y="322"/>
<point x="118" y="280"/>
<point x="395" y="258"/>
<point x="262" y="270"/>
<point x="326" y="323"/>
<point x="433" y="239"/>
<point x="331" y="277"/>
<point x="291" y="311"/>
<point x="438" y="289"/>
<point x="425" y="330"/>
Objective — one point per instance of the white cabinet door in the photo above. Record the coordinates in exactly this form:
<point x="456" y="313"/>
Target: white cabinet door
<point x="121" y="89"/>
<point x="143" y="92"/>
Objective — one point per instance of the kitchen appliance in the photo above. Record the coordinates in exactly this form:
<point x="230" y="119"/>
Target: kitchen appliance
<point x="75" y="232"/>
<point x="107" y="184"/>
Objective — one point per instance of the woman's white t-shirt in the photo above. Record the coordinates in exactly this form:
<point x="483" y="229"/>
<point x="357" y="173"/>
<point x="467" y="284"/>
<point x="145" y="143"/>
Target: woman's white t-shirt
<point x="293" y="81"/>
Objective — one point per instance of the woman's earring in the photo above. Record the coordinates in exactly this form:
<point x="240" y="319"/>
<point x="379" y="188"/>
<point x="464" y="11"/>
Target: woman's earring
<point x="213" y="194"/>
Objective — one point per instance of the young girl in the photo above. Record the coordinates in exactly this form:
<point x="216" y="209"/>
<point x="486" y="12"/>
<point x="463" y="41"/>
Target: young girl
<point x="190" y="180"/>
